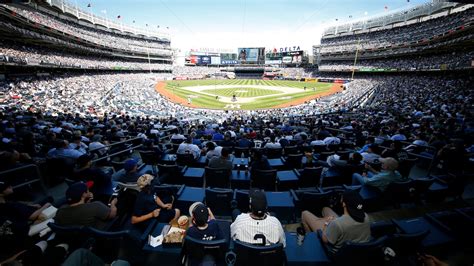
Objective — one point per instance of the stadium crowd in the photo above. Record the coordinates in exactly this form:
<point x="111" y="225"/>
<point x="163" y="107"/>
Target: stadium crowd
<point x="194" y="72"/>
<point x="32" y="56"/>
<point x="455" y="60"/>
<point x="98" y="37"/>
<point x="397" y="36"/>
<point x="75" y="117"/>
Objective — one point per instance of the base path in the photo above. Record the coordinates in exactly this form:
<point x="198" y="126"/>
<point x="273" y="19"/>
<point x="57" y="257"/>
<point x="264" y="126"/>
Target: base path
<point x="161" y="89"/>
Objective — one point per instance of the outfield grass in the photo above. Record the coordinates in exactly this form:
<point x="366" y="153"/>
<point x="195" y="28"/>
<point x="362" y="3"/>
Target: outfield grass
<point x="268" y="98"/>
<point x="241" y="92"/>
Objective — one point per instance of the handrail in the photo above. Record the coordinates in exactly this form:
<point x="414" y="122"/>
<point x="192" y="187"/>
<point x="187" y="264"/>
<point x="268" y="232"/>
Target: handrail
<point x="402" y="141"/>
<point x="117" y="153"/>
<point x="115" y="143"/>
<point x="20" y="168"/>
<point x="38" y="174"/>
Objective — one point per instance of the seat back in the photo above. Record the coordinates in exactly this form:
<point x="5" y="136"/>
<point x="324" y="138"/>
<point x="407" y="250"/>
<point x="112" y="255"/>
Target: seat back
<point x="185" y="159"/>
<point x="369" y="253"/>
<point x="408" y="244"/>
<point x="170" y="174"/>
<point x="293" y="161"/>
<point x="291" y="150"/>
<point x="219" y="200"/>
<point x="195" y="250"/>
<point x="401" y="192"/>
<point x="149" y="157"/>
<point x="313" y="201"/>
<point x="273" y="153"/>
<point x="405" y="166"/>
<point x="264" y="179"/>
<point x="217" y="177"/>
<point x="74" y="236"/>
<point x="310" y="177"/>
<point x="259" y="255"/>
<point x="242" y="199"/>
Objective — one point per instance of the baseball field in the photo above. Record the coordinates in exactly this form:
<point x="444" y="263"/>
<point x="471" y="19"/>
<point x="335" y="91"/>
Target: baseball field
<point x="243" y="94"/>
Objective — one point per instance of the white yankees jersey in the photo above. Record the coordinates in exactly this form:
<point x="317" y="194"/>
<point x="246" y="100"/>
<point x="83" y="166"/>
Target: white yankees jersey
<point x="244" y="228"/>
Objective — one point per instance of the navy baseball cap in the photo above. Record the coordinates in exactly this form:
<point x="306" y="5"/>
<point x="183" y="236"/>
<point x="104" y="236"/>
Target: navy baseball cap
<point x="75" y="191"/>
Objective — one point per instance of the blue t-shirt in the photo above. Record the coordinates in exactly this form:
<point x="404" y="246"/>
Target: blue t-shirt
<point x="212" y="232"/>
<point x="145" y="204"/>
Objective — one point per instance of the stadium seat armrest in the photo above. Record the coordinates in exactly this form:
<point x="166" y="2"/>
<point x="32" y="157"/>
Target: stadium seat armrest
<point x="180" y="190"/>
<point x="297" y="173"/>
<point x="295" y="197"/>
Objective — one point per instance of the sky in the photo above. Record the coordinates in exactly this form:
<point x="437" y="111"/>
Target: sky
<point x="229" y="24"/>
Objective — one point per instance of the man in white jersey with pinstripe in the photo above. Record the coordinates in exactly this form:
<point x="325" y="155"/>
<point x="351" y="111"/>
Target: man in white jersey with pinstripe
<point x="258" y="222"/>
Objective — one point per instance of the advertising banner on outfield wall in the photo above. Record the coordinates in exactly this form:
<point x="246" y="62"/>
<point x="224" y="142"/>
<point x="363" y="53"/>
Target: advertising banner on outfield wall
<point x="272" y="62"/>
<point x="229" y="62"/>
<point x="287" y="59"/>
<point x="204" y="60"/>
<point x="215" y="60"/>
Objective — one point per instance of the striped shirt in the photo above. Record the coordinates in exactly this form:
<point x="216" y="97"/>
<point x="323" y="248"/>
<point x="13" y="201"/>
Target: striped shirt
<point x="244" y="228"/>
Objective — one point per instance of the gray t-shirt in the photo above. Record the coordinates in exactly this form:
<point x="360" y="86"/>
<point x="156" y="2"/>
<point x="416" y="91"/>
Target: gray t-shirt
<point x="344" y="229"/>
<point x="219" y="162"/>
<point x="89" y="214"/>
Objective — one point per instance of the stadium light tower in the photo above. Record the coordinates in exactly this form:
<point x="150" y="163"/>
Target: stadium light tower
<point x="355" y="58"/>
<point x="148" y="47"/>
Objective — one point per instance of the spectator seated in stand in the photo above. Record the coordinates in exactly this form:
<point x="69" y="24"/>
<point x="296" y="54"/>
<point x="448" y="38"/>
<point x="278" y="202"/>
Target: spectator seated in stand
<point x="352" y="226"/>
<point x="379" y="179"/>
<point x="129" y="173"/>
<point x="224" y="161"/>
<point x="82" y="211"/>
<point x="149" y="206"/>
<point x="204" y="226"/>
<point x="257" y="221"/>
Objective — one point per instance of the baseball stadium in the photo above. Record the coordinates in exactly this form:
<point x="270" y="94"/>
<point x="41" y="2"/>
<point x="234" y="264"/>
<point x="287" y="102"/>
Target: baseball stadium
<point x="237" y="132"/>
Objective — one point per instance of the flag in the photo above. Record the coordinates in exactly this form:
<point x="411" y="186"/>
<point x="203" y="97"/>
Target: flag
<point x="89" y="5"/>
<point x="118" y="17"/>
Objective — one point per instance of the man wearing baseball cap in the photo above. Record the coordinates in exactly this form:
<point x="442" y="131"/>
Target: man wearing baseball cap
<point x="129" y="173"/>
<point x="81" y="211"/>
<point x="247" y="225"/>
<point x="204" y="225"/>
<point x="352" y="226"/>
